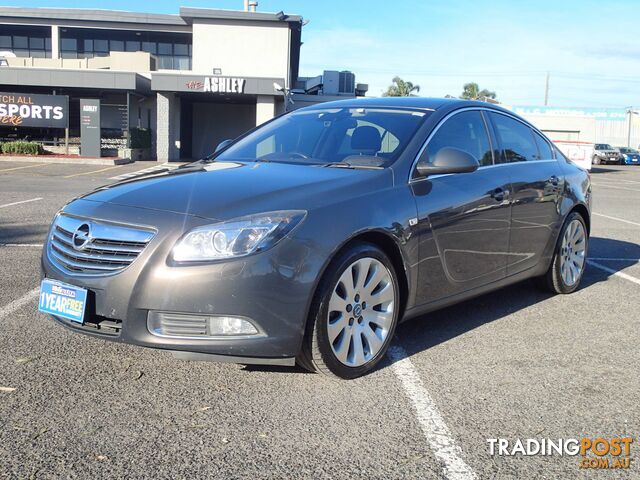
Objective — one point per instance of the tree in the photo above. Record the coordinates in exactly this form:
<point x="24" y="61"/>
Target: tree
<point x="471" y="91"/>
<point x="400" y="88"/>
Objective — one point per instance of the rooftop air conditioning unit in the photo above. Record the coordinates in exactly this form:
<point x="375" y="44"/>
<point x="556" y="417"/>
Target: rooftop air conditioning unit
<point x="338" y="83"/>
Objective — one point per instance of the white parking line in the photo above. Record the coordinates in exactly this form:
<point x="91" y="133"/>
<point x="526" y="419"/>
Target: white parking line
<point x="18" y="203"/>
<point x="18" y="303"/>
<point x="614" y="179"/>
<point x="616" y="218"/>
<point x="433" y="426"/>
<point x="39" y="245"/>
<point x="614" y="272"/>
<point x="615" y="187"/>
<point x="614" y="259"/>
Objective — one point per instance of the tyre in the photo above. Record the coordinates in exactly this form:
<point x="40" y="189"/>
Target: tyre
<point x="569" y="259"/>
<point x="595" y="160"/>
<point x="354" y="314"/>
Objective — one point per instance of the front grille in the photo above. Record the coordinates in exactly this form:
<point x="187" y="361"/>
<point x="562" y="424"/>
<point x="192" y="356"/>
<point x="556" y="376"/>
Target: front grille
<point x="95" y="324"/>
<point x="90" y="247"/>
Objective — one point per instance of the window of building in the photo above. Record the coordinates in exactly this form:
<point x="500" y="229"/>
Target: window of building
<point x="150" y="47"/>
<point x="517" y="140"/>
<point x="181" y="49"/>
<point x="172" y="48"/>
<point x="116" y="46"/>
<point x="132" y="46"/>
<point x="26" y="41"/>
<point x="20" y="41"/>
<point x="464" y="131"/>
<point x="165" y="49"/>
<point x="68" y="45"/>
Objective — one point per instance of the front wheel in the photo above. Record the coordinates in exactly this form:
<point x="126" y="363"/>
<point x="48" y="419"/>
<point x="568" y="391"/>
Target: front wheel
<point x="354" y="315"/>
<point x="569" y="259"/>
<point x="595" y="160"/>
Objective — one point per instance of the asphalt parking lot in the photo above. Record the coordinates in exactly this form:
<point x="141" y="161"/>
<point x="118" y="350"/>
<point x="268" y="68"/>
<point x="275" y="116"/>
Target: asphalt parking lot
<point x="517" y="363"/>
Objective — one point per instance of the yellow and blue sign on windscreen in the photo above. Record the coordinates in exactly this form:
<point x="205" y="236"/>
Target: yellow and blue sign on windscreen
<point x="62" y="300"/>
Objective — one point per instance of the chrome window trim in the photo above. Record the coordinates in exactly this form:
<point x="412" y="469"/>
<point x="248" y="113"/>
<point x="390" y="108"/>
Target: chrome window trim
<point x="467" y="109"/>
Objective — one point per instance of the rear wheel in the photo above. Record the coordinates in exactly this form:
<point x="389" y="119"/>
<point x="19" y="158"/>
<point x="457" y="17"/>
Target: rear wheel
<point x="354" y="315"/>
<point x="569" y="259"/>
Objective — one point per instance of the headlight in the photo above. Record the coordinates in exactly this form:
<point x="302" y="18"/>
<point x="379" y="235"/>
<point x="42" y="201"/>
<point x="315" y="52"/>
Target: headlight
<point x="236" y="238"/>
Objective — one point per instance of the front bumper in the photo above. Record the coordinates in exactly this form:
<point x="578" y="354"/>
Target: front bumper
<point x="628" y="160"/>
<point x="610" y="158"/>
<point x="272" y="288"/>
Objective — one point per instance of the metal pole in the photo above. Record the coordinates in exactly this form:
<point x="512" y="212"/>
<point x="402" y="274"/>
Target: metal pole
<point x="66" y="141"/>
<point x="629" y="113"/>
<point x="546" y="91"/>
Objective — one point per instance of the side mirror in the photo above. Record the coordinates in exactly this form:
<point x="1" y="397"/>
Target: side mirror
<point x="223" y="144"/>
<point x="448" y="160"/>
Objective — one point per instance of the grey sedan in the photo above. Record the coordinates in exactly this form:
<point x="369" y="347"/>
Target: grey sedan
<point x="309" y="238"/>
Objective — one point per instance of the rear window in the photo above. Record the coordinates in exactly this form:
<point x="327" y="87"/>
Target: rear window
<point x="516" y="138"/>
<point x="544" y="148"/>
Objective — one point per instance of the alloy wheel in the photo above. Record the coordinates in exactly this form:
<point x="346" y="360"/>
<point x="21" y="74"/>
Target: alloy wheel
<point x="572" y="253"/>
<point x="361" y="311"/>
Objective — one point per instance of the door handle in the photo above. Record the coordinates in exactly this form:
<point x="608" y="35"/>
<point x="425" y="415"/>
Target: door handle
<point x="499" y="194"/>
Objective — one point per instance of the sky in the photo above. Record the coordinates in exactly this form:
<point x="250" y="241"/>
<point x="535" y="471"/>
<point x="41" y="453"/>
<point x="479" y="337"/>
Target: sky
<point x="591" y="49"/>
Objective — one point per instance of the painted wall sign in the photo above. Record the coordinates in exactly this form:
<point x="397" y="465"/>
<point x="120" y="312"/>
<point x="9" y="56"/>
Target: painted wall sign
<point x="614" y="114"/>
<point x="27" y="110"/>
<point x="169" y="82"/>
<point x="218" y="85"/>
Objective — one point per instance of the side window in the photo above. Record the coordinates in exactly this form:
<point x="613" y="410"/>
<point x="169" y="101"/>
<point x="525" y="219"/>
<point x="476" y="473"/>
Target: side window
<point x="518" y="144"/>
<point x="543" y="147"/>
<point x="465" y="131"/>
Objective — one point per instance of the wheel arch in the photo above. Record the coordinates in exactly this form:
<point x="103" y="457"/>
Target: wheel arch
<point x="385" y="242"/>
<point x="584" y="213"/>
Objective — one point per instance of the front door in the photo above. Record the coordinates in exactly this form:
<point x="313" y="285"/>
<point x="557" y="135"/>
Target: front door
<point x="463" y="219"/>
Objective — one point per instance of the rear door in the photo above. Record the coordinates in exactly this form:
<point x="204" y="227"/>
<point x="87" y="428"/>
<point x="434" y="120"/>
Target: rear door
<point x="537" y="183"/>
<point x="463" y="219"/>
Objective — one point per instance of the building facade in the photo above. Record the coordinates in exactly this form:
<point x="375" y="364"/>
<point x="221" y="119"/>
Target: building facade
<point x="619" y="127"/>
<point x="185" y="82"/>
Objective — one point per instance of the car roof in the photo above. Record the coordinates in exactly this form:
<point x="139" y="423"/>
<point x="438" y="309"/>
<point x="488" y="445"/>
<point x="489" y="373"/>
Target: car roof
<point x="425" y="103"/>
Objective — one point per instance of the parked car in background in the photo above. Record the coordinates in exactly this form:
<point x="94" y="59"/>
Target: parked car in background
<point x="631" y="156"/>
<point x="309" y="238"/>
<point x="605" y="154"/>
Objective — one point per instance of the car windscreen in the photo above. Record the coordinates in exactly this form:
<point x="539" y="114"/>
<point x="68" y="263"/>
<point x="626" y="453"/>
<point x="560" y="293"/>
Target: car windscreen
<point x="351" y="136"/>
<point x="603" y="146"/>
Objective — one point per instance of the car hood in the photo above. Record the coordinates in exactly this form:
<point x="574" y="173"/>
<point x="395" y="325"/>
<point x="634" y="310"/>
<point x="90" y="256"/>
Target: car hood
<point x="224" y="190"/>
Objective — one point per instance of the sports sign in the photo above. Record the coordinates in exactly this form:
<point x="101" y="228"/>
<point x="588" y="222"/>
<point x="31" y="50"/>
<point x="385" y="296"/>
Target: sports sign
<point x="30" y="110"/>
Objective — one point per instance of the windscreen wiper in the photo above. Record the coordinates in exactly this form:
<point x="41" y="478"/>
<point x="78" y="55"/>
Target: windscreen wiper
<point x="351" y="165"/>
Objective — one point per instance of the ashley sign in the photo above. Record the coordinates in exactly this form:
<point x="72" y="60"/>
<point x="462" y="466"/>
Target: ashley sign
<point x="26" y="110"/>
<point x="224" y="85"/>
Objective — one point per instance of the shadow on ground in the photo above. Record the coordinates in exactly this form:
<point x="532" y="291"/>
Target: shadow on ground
<point x="22" y="233"/>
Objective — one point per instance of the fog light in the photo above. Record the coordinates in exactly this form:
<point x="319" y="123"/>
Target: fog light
<point x="230" y="326"/>
<point x="188" y="325"/>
